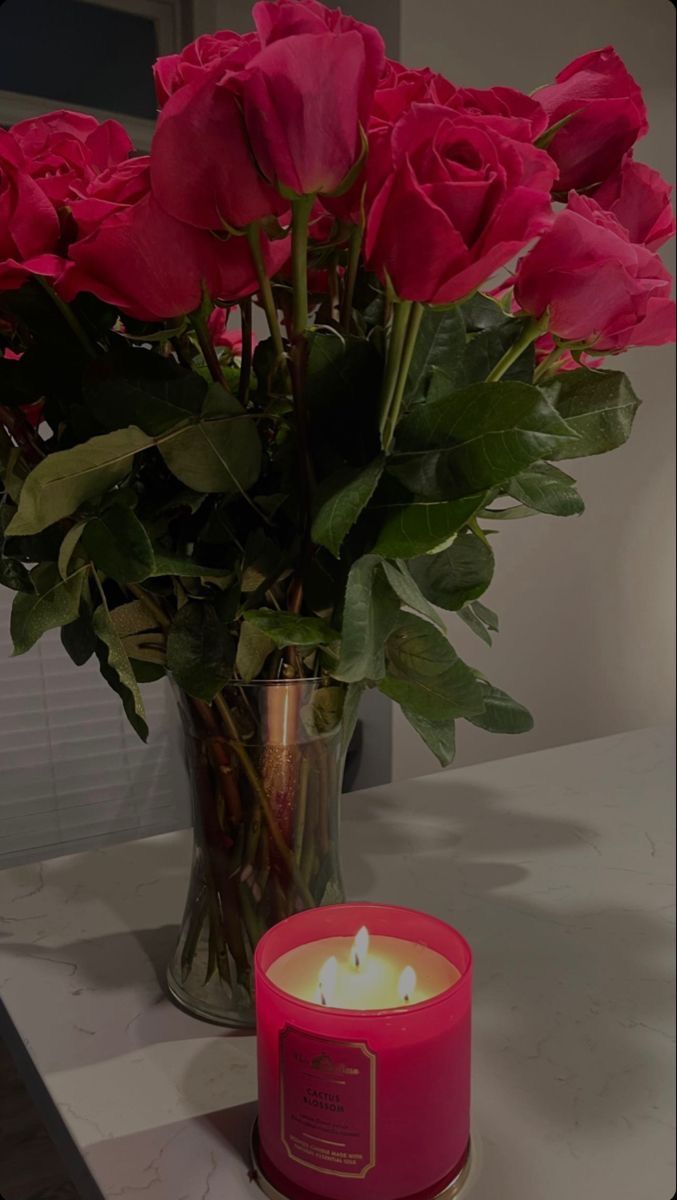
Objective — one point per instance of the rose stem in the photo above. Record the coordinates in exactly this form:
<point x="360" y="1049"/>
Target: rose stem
<point x="215" y="855"/>
<point x="265" y="289"/>
<point x="533" y="330"/>
<point x="354" y="249"/>
<point x="411" y="337"/>
<point x="301" y="209"/>
<point x="396" y="342"/>
<point x="246" y="360"/>
<point x="260" y="793"/>
<point x="207" y="347"/>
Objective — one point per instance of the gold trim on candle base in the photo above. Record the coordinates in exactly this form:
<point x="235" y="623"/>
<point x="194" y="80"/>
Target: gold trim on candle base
<point x="451" y="1191"/>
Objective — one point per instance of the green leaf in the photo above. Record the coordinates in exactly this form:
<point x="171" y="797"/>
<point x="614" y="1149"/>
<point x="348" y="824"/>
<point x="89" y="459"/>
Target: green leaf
<point x="65" y="480"/>
<point x="14" y="575"/>
<point x="487" y="615"/>
<point x="131" y="618"/>
<point x="136" y="387"/>
<point x="370" y="613"/>
<point x="54" y="602"/>
<point x="14" y="474"/>
<point x="472" y="619"/>
<point x="340" y="500"/>
<point x="117" y="670"/>
<point x="501" y="713"/>
<point x="351" y="709"/>
<point x="146" y="647"/>
<point x="288" y="629"/>
<point x="323" y="715"/>
<point x="217" y="454"/>
<point x="68" y="547"/>
<point x="253" y="648"/>
<point x="426" y="676"/>
<point x="598" y="406"/>
<point x="187" y="568"/>
<point x="405" y="586"/>
<point x="147" y="672"/>
<point x="118" y="545"/>
<point x="263" y="561"/>
<point x="440" y="344"/>
<point x="485" y="435"/>
<point x="486" y="349"/>
<point x="546" y="489"/>
<point x="200" y="651"/>
<point x="439" y="736"/>
<point x="421" y="527"/>
<point x="481" y="312"/>
<point x="457" y="575"/>
<point x="78" y="639"/>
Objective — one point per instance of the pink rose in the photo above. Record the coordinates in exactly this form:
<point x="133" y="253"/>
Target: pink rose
<point x="609" y="116"/>
<point x="307" y="96"/>
<point x="460" y="201"/>
<point x="202" y="170"/>
<point x="212" y="52"/>
<point x="29" y="225"/>
<point x="65" y="151"/>
<point x="277" y="19"/>
<point x="505" y="109"/>
<point x="399" y="87"/>
<point x="640" y="199"/>
<point x="153" y="267"/>
<point x="114" y="189"/>
<point x="597" y="286"/>
<point x="221" y="335"/>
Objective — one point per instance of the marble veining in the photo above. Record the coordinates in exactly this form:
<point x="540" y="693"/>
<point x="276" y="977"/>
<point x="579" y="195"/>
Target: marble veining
<point x="558" y="868"/>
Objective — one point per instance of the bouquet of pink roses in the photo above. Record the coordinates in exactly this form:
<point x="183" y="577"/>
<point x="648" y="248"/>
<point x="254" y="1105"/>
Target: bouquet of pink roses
<point x="445" y="274"/>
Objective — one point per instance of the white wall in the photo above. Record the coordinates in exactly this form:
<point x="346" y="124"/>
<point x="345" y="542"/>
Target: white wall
<point x="587" y="604"/>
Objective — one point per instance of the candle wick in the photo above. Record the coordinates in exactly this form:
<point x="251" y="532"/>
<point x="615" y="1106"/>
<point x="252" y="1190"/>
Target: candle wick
<point x="356" y="960"/>
<point x="323" y="999"/>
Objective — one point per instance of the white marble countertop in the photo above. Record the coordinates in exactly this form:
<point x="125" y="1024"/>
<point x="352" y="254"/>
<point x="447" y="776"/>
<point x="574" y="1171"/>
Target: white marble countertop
<point x="558" y="868"/>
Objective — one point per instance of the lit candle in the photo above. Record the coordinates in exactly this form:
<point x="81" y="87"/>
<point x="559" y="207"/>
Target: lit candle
<point x="364" y="973"/>
<point x="363" y="1016"/>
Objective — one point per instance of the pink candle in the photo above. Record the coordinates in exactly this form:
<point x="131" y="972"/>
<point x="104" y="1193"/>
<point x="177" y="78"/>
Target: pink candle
<point x="363" y="1015"/>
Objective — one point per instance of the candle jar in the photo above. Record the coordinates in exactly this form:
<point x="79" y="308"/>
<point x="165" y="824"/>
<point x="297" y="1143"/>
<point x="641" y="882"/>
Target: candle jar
<point x="265" y="766"/>
<point x="369" y="1104"/>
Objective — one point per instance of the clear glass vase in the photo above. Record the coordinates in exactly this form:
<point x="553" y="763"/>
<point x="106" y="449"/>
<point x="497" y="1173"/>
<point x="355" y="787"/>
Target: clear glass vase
<point x="265" y="762"/>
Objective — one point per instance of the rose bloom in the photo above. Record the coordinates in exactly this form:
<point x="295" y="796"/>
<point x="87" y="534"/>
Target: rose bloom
<point x="607" y="116"/>
<point x="597" y="286"/>
<point x="149" y="265"/>
<point x="308" y="94"/>
<point x="220" y="186"/>
<point x="221" y="335"/>
<point x="29" y="225"/>
<point x="460" y="200"/>
<point x="212" y="52"/>
<point x="640" y="199"/>
<point x="65" y="151"/>
<point x="506" y="110"/>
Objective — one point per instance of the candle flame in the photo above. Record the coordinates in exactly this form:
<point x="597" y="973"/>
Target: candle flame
<point x="360" y="948"/>
<point x="327" y="983"/>
<point x="407" y="984"/>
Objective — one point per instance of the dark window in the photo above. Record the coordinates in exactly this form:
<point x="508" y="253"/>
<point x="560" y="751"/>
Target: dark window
<point x="78" y="53"/>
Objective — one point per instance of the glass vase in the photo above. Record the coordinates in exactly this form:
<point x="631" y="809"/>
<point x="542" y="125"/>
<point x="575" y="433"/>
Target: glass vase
<point x="265" y="761"/>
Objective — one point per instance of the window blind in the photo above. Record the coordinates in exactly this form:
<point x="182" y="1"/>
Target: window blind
<point x="73" y="774"/>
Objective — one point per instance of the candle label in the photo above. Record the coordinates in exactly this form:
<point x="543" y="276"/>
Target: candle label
<point x="328" y="1103"/>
